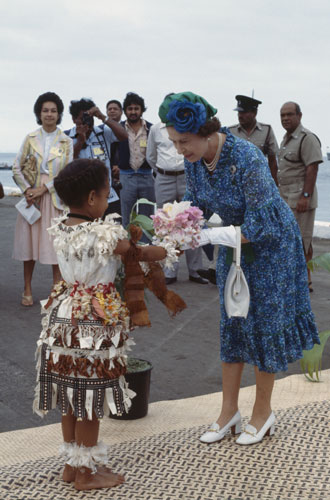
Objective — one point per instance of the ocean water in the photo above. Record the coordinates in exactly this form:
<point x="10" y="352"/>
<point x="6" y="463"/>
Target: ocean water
<point x="323" y="184"/>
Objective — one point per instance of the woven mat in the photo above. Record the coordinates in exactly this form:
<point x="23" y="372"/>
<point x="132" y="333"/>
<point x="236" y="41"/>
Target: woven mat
<point x="293" y="464"/>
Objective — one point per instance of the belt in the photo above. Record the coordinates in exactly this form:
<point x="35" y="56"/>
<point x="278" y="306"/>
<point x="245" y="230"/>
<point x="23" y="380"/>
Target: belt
<point x="170" y="172"/>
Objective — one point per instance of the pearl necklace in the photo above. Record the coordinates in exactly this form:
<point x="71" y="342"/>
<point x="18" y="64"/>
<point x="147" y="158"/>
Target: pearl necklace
<point x="211" y="166"/>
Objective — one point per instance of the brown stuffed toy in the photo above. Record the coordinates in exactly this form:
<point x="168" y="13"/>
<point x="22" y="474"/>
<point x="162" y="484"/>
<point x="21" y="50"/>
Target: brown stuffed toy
<point x="136" y="281"/>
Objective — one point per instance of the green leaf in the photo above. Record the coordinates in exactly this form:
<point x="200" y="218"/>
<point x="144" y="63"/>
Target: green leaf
<point x="311" y="361"/>
<point x="148" y="235"/>
<point x="320" y="262"/>
<point x="143" y="221"/>
<point x="144" y="201"/>
<point x="141" y="201"/>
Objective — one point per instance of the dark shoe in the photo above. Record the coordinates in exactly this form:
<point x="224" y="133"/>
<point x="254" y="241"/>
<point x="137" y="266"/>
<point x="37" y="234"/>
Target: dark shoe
<point x="198" y="279"/>
<point x="208" y="274"/>
<point x="169" y="281"/>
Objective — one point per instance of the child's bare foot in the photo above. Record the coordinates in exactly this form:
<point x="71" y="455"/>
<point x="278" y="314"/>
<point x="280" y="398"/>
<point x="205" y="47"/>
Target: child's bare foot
<point x="107" y="472"/>
<point x="69" y="473"/>
<point x="103" y="478"/>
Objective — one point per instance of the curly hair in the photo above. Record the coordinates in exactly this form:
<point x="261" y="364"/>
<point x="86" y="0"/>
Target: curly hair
<point x="132" y="98"/>
<point x="84" y="104"/>
<point x="48" y="97"/>
<point x="209" y="127"/>
<point x="74" y="183"/>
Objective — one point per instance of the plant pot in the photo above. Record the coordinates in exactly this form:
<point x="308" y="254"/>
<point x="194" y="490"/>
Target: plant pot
<point x="138" y="378"/>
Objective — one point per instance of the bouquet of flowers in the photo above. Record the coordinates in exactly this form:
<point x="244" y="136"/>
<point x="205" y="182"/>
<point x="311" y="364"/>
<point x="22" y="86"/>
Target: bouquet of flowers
<point x="179" y="224"/>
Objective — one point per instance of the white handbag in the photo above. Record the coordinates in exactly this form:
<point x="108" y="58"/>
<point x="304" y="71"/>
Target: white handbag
<point x="237" y="294"/>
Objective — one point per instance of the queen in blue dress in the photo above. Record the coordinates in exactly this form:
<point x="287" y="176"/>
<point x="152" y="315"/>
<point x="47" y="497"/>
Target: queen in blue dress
<point x="230" y="177"/>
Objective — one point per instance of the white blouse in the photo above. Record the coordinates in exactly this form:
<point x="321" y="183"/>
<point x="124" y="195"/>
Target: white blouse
<point x="47" y="141"/>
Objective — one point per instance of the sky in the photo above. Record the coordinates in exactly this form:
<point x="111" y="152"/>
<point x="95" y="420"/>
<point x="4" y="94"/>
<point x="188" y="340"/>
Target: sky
<point x="218" y="49"/>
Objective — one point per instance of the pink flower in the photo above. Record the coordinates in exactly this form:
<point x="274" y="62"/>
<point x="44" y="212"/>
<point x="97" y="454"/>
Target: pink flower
<point x="180" y="222"/>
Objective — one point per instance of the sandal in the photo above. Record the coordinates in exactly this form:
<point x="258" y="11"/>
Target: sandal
<point x="310" y="288"/>
<point x="27" y="300"/>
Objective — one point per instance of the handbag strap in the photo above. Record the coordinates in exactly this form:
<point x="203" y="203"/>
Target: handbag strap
<point x="238" y="246"/>
<point x="237" y="284"/>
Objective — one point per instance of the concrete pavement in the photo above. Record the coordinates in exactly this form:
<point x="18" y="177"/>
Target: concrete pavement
<point x="184" y="351"/>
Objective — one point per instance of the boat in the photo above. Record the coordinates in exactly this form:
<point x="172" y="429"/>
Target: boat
<point x="5" y="166"/>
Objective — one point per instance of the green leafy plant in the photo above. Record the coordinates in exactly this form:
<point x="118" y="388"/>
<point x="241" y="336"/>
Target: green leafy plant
<point x="137" y="365"/>
<point x="312" y="359"/>
<point x="311" y="362"/>
<point x="320" y="262"/>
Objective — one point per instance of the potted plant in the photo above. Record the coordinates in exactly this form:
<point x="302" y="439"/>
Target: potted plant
<point x="138" y="378"/>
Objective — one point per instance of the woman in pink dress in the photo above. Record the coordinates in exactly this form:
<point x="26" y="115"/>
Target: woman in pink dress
<point x="52" y="150"/>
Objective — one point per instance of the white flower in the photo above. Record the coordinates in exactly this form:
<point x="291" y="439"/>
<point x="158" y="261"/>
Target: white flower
<point x="171" y="251"/>
<point x="176" y="208"/>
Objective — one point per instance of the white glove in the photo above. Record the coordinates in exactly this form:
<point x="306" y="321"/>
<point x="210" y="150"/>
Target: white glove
<point x="218" y="236"/>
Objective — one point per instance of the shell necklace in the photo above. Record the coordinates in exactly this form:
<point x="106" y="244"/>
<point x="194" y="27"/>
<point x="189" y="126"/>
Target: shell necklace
<point x="211" y="166"/>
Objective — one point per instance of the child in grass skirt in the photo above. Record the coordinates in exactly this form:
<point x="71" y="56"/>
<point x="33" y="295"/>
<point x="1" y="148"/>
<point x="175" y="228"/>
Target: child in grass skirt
<point x="81" y="359"/>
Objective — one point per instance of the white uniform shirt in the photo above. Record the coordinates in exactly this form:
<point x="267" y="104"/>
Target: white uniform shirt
<point x="161" y="151"/>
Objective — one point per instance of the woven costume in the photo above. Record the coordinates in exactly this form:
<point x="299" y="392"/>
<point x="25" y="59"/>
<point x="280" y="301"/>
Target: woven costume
<point x="81" y="356"/>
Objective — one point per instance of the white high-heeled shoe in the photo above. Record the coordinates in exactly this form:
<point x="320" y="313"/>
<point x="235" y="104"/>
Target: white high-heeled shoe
<point x="216" y="434"/>
<point x="250" y="434"/>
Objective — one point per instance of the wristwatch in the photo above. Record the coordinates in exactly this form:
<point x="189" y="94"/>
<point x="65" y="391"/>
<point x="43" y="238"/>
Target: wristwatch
<point x="306" y="195"/>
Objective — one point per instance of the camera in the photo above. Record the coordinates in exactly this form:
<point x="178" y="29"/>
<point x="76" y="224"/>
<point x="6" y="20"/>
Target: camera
<point x="87" y="119"/>
<point x="117" y="185"/>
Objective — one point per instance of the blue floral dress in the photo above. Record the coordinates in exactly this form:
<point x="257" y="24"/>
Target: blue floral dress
<point x="280" y="323"/>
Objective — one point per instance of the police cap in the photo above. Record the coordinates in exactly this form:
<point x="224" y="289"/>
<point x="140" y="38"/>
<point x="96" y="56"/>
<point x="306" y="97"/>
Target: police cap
<point x="245" y="103"/>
